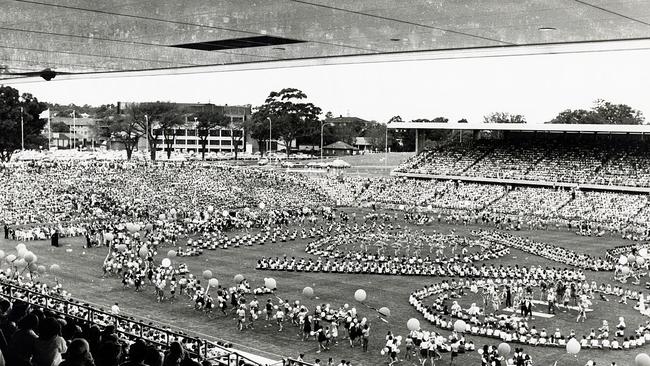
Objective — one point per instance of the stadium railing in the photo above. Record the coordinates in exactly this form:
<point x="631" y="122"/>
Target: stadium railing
<point x="129" y="328"/>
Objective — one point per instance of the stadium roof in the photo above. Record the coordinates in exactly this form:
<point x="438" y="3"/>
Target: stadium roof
<point x="342" y="119"/>
<point x="74" y="121"/>
<point x="339" y="145"/>
<point x="525" y="127"/>
<point x="164" y="36"/>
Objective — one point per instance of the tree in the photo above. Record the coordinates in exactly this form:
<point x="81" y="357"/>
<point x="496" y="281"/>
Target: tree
<point x="602" y="113"/>
<point x="395" y="119"/>
<point x="237" y="130"/>
<point x="618" y="114"/>
<point x="376" y="134"/>
<point x="258" y="127"/>
<point x="207" y="120"/>
<point x="59" y="127"/>
<point x="503" y="117"/>
<point x="577" y="116"/>
<point x="165" y="117"/>
<point x="168" y="124"/>
<point x="10" y="127"/>
<point x="290" y="115"/>
<point x="105" y="110"/>
<point x="127" y="128"/>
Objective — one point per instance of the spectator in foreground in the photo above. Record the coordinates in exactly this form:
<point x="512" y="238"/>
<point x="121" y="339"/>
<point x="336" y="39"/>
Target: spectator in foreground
<point x="175" y="355"/>
<point x="137" y="354"/>
<point x="23" y="341"/>
<point x="78" y="354"/>
<point x="49" y="347"/>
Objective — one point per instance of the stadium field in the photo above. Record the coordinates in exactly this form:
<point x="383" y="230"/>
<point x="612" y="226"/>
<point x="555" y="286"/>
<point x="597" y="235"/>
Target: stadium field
<point x="82" y="276"/>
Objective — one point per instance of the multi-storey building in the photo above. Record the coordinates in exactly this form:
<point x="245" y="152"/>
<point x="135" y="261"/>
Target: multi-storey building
<point x="186" y="137"/>
<point x="81" y="132"/>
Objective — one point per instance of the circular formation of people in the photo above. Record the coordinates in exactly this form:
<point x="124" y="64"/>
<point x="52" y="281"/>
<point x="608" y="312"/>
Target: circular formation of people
<point x="450" y="236"/>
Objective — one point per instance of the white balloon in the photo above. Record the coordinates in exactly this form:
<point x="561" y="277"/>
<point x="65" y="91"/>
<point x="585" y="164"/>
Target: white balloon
<point x="573" y="346"/>
<point x="413" y="324"/>
<point x="360" y="295"/>
<point x="642" y="359"/>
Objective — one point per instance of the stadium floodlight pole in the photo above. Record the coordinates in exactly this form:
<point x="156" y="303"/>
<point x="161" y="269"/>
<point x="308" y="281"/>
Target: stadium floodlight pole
<point x="322" y="126"/>
<point x="268" y="151"/>
<point x="196" y="122"/>
<point x="22" y="130"/>
<point x="74" y="130"/>
<point x="386" y="147"/>
<point x="146" y="126"/>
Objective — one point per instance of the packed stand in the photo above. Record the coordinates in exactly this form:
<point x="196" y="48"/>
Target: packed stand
<point x="561" y="160"/>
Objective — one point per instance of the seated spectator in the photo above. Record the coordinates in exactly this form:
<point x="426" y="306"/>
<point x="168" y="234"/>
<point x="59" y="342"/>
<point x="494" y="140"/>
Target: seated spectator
<point x="78" y="354"/>
<point x="50" y="345"/>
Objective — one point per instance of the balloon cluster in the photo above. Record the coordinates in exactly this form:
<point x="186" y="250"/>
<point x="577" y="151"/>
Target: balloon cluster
<point x="212" y="282"/>
<point x="23" y="259"/>
<point x="626" y="261"/>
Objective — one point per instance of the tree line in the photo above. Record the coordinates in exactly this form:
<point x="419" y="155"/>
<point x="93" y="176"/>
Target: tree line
<point x="285" y="116"/>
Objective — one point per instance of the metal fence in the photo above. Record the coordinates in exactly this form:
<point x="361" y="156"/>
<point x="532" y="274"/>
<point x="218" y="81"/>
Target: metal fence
<point x="128" y="328"/>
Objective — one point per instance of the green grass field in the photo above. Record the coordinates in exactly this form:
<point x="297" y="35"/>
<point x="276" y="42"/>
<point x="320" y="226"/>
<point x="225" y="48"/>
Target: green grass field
<point x="82" y="276"/>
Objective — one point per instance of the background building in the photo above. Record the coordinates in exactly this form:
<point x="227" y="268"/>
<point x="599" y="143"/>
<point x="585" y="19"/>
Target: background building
<point x="339" y="148"/>
<point x="78" y="132"/>
<point x="186" y="137"/>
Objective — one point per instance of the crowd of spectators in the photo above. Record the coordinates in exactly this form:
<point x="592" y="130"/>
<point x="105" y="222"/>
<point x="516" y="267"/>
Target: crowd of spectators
<point x="82" y="199"/>
<point x="437" y="194"/>
<point x="43" y="325"/>
<point x="51" y="193"/>
<point x="99" y="198"/>
<point x="588" y="213"/>
<point x="562" y="160"/>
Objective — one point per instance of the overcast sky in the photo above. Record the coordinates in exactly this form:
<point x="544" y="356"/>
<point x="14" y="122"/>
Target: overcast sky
<point x="536" y="86"/>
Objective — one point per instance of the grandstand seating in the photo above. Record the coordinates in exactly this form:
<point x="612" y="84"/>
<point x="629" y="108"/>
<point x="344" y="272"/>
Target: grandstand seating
<point x="599" y="162"/>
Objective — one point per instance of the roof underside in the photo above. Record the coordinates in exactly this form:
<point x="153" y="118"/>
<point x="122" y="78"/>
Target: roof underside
<point x="85" y="36"/>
